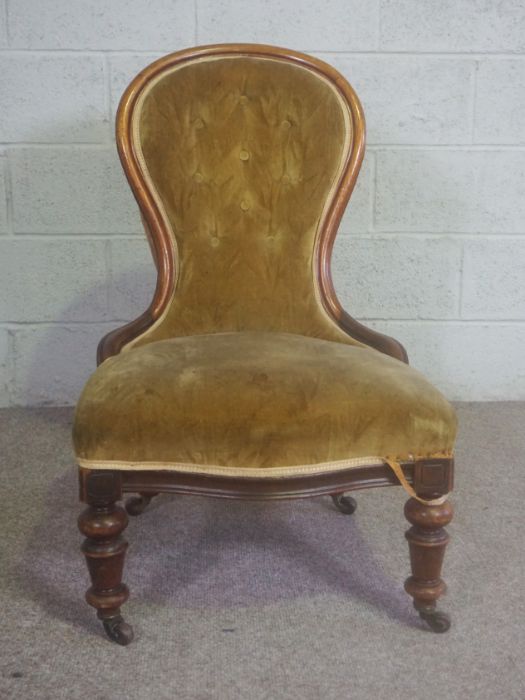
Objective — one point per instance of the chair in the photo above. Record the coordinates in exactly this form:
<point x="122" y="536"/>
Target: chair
<point x="245" y="378"/>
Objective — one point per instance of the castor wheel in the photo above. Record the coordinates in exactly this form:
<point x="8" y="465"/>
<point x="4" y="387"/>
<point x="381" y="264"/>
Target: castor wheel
<point x="344" y="504"/>
<point x="437" y="620"/>
<point x="138" y="504"/>
<point x="118" y="630"/>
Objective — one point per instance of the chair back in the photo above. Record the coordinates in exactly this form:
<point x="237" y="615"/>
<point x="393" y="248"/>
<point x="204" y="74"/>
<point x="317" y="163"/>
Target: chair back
<point x="242" y="159"/>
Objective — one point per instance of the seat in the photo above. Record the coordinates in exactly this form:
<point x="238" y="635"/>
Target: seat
<point x="245" y="377"/>
<point x="257" y="403"/>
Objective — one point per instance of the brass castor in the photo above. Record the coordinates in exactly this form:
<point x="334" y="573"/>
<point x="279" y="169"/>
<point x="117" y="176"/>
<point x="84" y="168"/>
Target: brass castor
<point x="437" y="620"/>
<point x="344" y="504"/>
<point x="118" y="630"/>
<point x="138" y="504"/>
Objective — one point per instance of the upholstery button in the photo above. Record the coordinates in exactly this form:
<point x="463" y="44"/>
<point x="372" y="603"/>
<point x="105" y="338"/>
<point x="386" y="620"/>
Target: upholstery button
<point x="243" y="100"/>
<point x="198" y="177"/>
<point x="199" y="123"/>
<point x="285" y="178"/>
<point x="214" y="241"/>
<point x="286" y="124"/>
<point x="244" y="205"/>
<point x="244" y="155"/>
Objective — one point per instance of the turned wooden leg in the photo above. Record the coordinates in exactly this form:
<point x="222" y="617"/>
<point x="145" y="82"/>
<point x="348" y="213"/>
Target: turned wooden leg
<point x="427" y="540"/>
<point x="102" y="522"/>
<point x="345" y="504"/>
<point x="136" y="505"/>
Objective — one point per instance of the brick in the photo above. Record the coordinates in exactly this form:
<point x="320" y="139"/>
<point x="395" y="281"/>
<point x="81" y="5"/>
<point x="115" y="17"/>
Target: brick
<point x="161" y="25"/>
<point x="329" y="26"/>
<point x="52" y="363"/>
<point x="4" y="368"/>
<point x="398" y="277"/>
<point x="3" y="198"/>
<point x="409" y="101"/>
<point x="500" y="102"/>
<point x="132" y="278"/>
<point x="494" y="279"/>
<point x="452" y="25"/>
<point x="71" y="190"/>
<point x="456" y="191"/>
<point x="466" y="361"/>
<point x="123" y="68"/>
<point x="57" y="280"/>
<point x="52" y="98"/>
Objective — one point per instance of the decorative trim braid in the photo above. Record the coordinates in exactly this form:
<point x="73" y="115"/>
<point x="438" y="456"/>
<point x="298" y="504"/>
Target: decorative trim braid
<point x="275" y="472"/>
<point x="398" y="471"/>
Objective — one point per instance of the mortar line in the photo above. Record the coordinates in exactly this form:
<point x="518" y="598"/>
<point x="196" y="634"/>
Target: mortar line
<point x="453" y="235"/>
<point x="378" y="234"/>
<point x="446" y="321"/>
<point x="9" y="208"/>
<point x="90" y="236"/>
<point x="446" y="55"/>
<point x="19" y="325"/>
<point x="491" y="147"/>
<point x="15" y="145"/>
<point x="473" y="103"/>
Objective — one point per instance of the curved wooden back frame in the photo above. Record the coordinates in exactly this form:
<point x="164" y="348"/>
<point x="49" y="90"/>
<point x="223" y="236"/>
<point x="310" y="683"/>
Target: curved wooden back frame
<point x="159" y="236"/>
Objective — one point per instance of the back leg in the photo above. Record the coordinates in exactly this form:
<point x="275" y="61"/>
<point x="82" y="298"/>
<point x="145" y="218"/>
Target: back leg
<point x="345" y="504"/>
<point x="138" y="504"/>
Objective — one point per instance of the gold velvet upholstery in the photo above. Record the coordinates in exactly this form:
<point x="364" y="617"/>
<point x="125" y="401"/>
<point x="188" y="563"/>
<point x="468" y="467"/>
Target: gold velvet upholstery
<point x="243" y="153"/>
<point x="257" y="401"/>
<point x="245" y="372"/>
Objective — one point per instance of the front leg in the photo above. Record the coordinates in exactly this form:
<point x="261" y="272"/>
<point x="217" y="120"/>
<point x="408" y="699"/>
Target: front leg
<point x="427" y="540"/>
<point x="102" y="522"/>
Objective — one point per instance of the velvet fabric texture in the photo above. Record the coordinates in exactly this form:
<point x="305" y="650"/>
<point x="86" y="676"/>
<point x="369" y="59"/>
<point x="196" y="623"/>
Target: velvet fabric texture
<point x="245" y="369"/>
<point x="257" y="400"/>
<point x="243" y="154"/>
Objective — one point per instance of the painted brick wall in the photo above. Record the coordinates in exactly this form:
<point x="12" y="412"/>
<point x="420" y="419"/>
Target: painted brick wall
<point x="432" y="249"/>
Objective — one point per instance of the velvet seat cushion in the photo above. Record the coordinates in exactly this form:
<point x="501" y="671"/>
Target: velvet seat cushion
<point x="245" y="403"/>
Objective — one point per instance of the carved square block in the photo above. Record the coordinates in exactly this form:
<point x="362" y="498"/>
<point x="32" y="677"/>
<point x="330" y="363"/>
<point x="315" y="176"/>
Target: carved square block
<point x="433" y="477"/>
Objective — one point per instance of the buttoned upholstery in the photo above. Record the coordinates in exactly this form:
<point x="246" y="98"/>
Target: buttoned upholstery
<point x="243" y="154"/>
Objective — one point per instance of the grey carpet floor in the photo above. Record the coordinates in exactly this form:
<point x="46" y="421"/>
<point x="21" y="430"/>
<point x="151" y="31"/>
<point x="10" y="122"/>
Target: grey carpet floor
<point x="258" y="600"/>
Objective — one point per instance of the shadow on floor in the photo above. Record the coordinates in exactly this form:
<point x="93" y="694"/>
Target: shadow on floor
<point x="192" y="553"/>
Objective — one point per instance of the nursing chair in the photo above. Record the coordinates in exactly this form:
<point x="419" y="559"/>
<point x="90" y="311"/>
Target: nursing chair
<point x="245" y="378"/>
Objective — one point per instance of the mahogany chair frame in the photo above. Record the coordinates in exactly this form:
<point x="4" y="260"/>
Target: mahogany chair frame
<point x="103" y="521"/>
